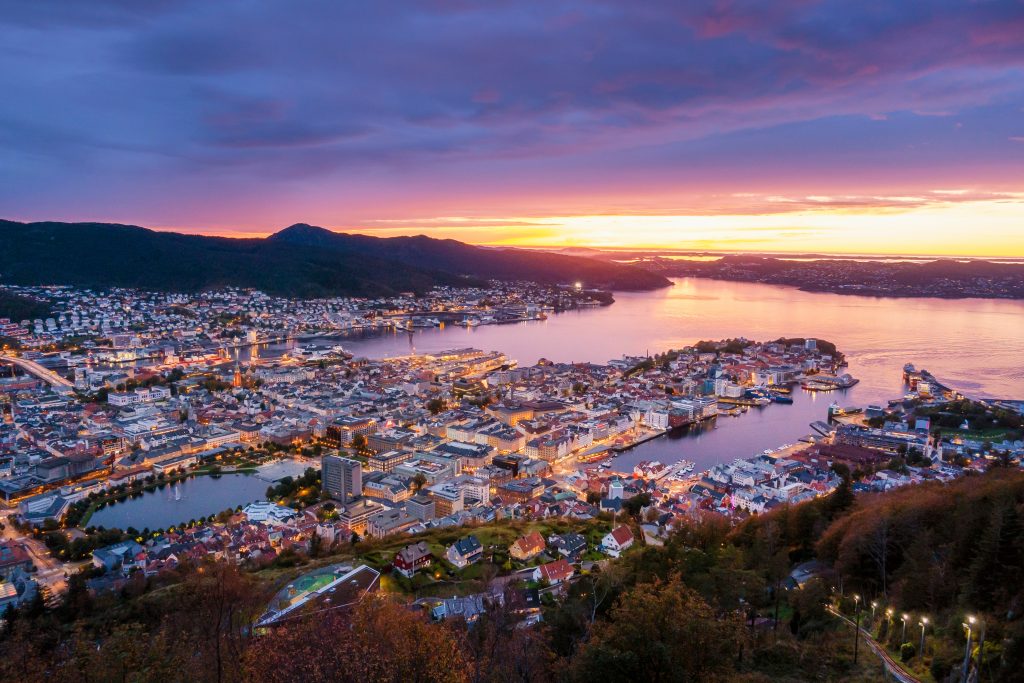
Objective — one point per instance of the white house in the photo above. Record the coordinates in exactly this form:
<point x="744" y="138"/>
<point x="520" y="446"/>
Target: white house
<point x="617" y="541"/>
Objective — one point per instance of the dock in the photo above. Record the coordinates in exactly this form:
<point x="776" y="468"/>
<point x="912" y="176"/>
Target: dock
<point x="823" y="428"/>
<point x="637" y="442"/>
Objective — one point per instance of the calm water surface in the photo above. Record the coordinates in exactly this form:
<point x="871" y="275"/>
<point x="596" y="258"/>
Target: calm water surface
<point x="975" y="345"/>
<point x="200" y="497"/>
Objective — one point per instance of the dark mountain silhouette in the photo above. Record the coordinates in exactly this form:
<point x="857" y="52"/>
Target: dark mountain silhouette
<point x="465" y="259"/>
<point x="300" y="261"/>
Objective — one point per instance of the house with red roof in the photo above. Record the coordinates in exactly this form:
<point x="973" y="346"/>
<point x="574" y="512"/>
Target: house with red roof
<point x="617" y="541"/>
<point x="554" y="572"/>
<point x="527" y="547"/>
<point x="412" y="558"/>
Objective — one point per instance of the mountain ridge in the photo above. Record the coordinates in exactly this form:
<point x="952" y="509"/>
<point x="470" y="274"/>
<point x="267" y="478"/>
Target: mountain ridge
<point x="302" y="261"/>
<point x="497" y="263"/>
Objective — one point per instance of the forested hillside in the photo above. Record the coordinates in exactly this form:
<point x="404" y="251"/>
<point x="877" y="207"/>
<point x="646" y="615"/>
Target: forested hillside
<point x="701" y="607"/>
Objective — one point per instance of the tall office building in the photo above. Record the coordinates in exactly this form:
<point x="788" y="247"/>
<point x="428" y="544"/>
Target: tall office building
<point x="342" y="477"/>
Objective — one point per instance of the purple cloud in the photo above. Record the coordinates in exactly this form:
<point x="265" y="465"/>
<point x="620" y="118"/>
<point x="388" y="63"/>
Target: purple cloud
<point x="221" y="101"/>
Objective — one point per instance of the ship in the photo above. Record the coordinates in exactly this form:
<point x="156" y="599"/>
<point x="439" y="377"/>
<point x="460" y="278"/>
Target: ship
<point x="835" y="411"/>
<point x="815" y="385"/>
<point x="313" y="352"/>
<point x="829" y="382"/>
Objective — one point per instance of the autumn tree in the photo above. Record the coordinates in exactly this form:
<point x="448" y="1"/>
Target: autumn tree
<point x="665" y="631"/>
<point x="377" y="641"/>
<point x="499" y="650"/>
<point x="216" y="607"/>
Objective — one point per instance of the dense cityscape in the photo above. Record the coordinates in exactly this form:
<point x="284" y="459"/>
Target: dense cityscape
<point x="560" y="342"/>
<point x="404" y="468"/>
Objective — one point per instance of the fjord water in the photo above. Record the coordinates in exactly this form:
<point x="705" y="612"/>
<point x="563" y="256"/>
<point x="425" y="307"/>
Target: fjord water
<point x="974" y="345"/>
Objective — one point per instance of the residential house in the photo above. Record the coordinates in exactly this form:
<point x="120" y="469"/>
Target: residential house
<point x="412" y="558"/>
<point x="554" y="572"/>
<point x="465" y="552"/>
<point x="13" y="557"/>
<point x="527" y="547"/>
<point x="124" y="556"/>
<point x="570" y="546"/>
<point x="617" y="541"/>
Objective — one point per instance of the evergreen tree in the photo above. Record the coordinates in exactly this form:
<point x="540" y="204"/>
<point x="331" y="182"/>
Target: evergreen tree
<point x="995" y="572"/>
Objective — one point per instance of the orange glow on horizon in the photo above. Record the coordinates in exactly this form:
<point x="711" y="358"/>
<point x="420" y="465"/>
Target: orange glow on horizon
<point x="943" y="223"/>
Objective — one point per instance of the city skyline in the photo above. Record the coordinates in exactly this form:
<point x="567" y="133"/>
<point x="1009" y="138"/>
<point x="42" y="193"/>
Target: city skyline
<point x="789" y="127"/>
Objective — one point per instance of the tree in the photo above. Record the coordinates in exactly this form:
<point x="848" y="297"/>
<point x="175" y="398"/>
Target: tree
<point x="497" y="648"/>
<point x="664" y="630"/>
<point x="998" y="562"/>
<point x="879" y="547"/>
<point x="378" y="640"/>
<point x="842" y="498"/>
<point x="418" y="481"/>
<point x="809" y="603"/>
<point x="221" y="605"/>
<point x="634" y="505"/>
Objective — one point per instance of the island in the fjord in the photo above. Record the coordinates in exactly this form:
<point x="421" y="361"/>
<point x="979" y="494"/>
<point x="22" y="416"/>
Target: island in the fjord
<point x="943" y="278"/>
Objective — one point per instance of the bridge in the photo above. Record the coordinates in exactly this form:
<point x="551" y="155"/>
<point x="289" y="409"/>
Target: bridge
<point x="58" y="383"/>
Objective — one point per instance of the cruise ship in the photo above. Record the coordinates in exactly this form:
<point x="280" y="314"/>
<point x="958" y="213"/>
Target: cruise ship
<point x="314" y="352"/>
<point x="828" y="382"/>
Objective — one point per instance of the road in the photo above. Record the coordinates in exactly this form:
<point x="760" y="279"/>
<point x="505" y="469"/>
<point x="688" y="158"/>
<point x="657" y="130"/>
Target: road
<point x="51" y="574"/>
<point x="59" y="384"/>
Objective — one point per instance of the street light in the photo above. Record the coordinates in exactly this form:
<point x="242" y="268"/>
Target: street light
<point x="924" y="623"/>
<point x="967" y="650"/>
<point x="856" y="629"/>
<point x="874" y="604"/>
<point x="981" y="647"/>
<point x="903" y="636"/>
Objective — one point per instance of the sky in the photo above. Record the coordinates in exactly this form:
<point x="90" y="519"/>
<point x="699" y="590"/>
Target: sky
<point x="780" y="125"/>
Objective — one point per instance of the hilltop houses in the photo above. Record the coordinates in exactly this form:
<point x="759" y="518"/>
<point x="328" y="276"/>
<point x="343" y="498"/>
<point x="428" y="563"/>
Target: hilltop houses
<point x="555" y="572"/>
<point x="617" y="541"/>
<point x="464" y="552"/>
<point x="412" y="558"/>
<point x="527" y="547"/>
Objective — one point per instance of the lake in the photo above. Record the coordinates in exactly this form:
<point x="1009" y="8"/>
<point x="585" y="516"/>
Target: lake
<point x="200" y="497"/>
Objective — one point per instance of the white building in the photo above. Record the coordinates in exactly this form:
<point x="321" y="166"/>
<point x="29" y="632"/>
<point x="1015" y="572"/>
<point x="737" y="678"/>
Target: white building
<point x="270" y="513"/>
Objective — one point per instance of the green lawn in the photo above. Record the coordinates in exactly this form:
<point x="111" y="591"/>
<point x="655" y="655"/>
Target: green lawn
<point x="995" y="434"/>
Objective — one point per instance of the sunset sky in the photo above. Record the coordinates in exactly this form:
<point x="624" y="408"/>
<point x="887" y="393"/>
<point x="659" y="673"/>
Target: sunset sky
<point x="779" y="125"/>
